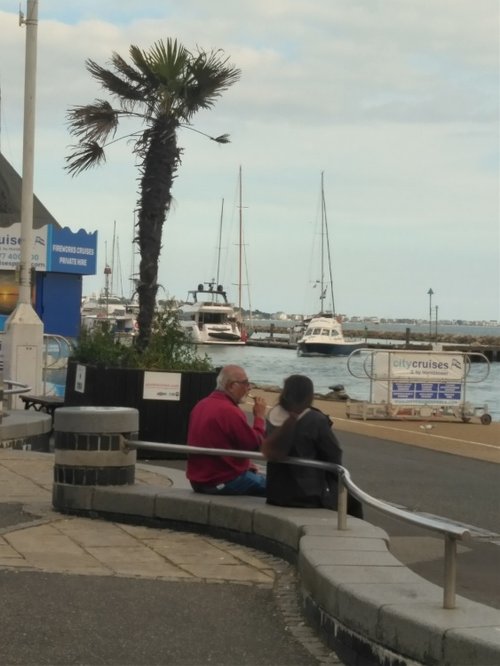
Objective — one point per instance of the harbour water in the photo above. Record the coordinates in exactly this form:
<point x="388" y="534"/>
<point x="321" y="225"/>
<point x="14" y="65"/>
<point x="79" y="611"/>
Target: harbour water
<point x="270" y="366"/>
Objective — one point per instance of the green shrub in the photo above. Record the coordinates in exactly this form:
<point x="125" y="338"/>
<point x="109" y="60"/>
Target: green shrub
<point x="168" y="349"/>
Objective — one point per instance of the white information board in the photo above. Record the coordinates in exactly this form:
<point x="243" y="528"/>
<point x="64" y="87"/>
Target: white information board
<point x="10" y="247"/>
<point x="414" y="377"/>
<point x="80" y="378"/>
<point x="162" y="386"/>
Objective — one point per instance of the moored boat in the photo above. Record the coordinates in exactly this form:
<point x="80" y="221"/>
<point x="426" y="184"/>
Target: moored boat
<point x="111" y="311"/>
<point x="323" y="335"/>
<point x="209" y="318"/>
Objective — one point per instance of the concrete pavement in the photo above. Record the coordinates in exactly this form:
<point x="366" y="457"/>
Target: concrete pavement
<point x="84" y="591"/>
<point x="47" y="552"/>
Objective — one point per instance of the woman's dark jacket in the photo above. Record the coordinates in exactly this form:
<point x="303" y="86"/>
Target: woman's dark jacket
<point x="300" y="486"/>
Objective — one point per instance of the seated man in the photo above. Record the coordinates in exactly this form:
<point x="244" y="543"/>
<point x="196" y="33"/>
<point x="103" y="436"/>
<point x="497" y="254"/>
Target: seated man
<point x="218" y="422"/>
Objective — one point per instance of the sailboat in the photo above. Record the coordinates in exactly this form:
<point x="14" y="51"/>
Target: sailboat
<point x="109" y="309"/>
<point x="207" y="316"/>
<point x="324" y="335"/>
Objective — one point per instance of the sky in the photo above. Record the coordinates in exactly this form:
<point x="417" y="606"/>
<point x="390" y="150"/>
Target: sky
<point x="395" y="102"/>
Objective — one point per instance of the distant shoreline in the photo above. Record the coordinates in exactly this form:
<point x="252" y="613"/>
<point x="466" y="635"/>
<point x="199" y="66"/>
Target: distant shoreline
<point x="478" y="337"/>
<point x="455" y="338"/>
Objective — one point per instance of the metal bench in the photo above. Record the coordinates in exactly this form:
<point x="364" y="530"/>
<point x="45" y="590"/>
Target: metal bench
<point x="42" y="403"/>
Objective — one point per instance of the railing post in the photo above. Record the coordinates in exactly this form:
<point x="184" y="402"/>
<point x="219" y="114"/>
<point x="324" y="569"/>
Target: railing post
<point x="450" y="571"/>
<point x="341" y="504"/>
<point x="8" y="400"/>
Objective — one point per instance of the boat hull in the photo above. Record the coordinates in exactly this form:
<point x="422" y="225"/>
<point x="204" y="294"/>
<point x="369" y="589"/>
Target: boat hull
<point x="206" y="336"/>
<point x="324" y="337"/>
<point x="224" y="337"/>
<point x="327" y="349"/>
<point x="224" y="343"/>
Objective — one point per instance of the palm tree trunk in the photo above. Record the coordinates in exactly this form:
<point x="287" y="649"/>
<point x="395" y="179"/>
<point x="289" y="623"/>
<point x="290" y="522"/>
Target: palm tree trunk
<point x="158" y="172"/>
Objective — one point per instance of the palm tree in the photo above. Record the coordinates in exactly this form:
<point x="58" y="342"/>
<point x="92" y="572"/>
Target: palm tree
<point x="162" y="88"/>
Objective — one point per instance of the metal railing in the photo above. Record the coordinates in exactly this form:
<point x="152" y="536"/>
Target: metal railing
<point x="15" y="388"/>
<point x="56" y="350"/>
<point x="452" y="531"/>
<point x="21" y="388"/>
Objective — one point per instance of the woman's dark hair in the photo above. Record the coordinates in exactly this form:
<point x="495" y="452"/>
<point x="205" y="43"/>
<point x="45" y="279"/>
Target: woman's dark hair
<point x="297" y="393"/>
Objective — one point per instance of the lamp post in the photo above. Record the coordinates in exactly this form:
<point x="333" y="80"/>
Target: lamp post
<point x="436" y="326"/>
<point x="23" y="335"/>
<point x="430" y="294"/>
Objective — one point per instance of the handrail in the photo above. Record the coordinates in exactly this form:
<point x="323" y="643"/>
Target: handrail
<point x="59" y="341"/>
<point x="451" y="531"/>
<point x="366" y="355"/>
<point x="9" y="392"/>
<point x="62" y="344"/>
<point x="23" y="388"/>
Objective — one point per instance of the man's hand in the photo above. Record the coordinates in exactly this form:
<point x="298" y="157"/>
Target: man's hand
<point x="259" y="408"/>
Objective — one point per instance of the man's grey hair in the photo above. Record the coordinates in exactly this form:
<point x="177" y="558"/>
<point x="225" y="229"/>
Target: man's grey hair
<point x="226" y="376"/>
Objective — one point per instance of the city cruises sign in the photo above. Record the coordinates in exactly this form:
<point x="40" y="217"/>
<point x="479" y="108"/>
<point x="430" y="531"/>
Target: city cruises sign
<point x="412" y="378"/>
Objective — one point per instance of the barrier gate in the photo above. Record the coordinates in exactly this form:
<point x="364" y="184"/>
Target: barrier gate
<point x="419" y="385"/>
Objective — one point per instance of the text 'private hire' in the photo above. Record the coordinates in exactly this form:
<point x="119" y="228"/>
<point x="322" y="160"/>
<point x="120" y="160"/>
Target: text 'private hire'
<point x="72" y="261"/>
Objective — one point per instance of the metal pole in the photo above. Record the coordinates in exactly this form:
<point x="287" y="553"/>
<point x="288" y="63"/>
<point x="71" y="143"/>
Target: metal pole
<point x="240" y="250"/>
<point x="341" y="505"/>
<point x="31" y="22"/>
<point x="450" y="571"/>
<point x="23" y="332"/>
<point x="430" y="293"/>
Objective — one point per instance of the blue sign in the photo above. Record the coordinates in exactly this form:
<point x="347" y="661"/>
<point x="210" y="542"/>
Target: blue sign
<point x="69" y="252"/>
<point x="427" y="391"/>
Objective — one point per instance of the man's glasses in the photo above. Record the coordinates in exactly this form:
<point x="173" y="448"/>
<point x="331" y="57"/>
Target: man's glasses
<point x="245" y="382"/>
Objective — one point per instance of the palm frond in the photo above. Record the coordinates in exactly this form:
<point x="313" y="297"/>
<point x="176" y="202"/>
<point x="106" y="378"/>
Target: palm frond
<point x="167" y="65"/>
<point x="93" y="122"/>
<point x="168" y="61"/>
<point x="85" y="155"/>
<point x="126" y="70"/>
<point x="117" y="86"/>
<point x="210" y="75"/>
<point x="223" y="138"/>
<point x="142" y="63"/>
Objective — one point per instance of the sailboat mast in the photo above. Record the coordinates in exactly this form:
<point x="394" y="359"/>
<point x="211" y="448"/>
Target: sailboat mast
<point x="322" y="265"/>
<point x="240" y="262"/>
<point x="113" y="257"/>
<point x="327" y="239"/>
<point x="220" y="241"/>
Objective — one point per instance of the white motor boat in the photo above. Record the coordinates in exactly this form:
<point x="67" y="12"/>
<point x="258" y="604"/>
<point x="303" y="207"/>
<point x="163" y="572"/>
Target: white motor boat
<point x="324" y="337"/>
<point x="209" y="318"/>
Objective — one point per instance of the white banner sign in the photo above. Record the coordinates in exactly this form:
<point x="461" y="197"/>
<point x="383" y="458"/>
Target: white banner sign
<point x="80" y="378"/>
<point x="162" y="386"/>
<point x="10" y="247"/>
<point x="418" y="377"/>
<point x="418" y="365"/>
